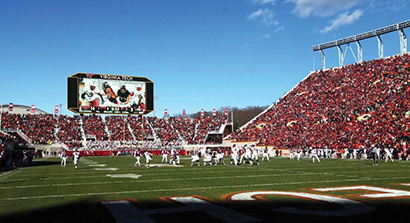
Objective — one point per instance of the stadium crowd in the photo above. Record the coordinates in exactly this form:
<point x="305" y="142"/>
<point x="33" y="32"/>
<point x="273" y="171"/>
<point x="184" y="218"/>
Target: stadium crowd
<point x="93" y="132"/>
<point x="355" y="106"/>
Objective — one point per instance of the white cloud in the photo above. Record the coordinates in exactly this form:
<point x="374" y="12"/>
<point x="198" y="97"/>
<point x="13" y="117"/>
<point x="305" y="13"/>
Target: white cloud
<point x="322" y="8"/>
<point x="266" y="36"/>
<point x="391" y="5"/>
<point x="278" y="29"/>
<point x="342" y="20"/>
<point x="262" y="2"/>
<point x="265" y="16"/>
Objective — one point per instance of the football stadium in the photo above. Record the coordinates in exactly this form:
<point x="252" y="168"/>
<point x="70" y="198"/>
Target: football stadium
<point x="334" y="148"/>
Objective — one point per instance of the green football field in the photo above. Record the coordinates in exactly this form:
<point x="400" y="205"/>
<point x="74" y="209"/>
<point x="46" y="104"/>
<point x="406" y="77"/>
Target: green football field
<point x="112" y="189"/>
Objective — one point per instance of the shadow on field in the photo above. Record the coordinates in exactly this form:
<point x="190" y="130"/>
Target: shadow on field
<point x="25" y="164"/>
<point x="43" y="163"/>
<point x="162" y="211"/>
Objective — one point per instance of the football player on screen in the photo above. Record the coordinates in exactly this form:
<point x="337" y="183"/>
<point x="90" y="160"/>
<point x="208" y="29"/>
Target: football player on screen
<point x="92" y="95"/>
<point x="138" y="98"/>
<point x="109" y="92"/>
<point x="124" y="95"/>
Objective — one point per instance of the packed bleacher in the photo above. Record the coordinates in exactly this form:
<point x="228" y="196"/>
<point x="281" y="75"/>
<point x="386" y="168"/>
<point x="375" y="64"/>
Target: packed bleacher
<point x="186" y="128"/>
<point x="39" y="128"/>
<point x="357" y="105"/>
<point x="118" y="127"/>
<point x="69" y="131"/>
<point x="208" y="124"/>
<point x="93" y="125"/>
<point x="94" y="132"/>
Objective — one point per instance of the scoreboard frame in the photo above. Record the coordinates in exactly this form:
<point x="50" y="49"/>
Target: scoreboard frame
<point x="89" y="93"/>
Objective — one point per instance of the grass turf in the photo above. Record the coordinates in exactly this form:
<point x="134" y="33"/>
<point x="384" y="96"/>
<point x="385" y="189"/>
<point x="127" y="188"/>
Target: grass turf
<point x="46" y="192"/>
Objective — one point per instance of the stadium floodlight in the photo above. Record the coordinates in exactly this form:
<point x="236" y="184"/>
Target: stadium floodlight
<point x="361" y="36"/>
<point x="356" y="38"/>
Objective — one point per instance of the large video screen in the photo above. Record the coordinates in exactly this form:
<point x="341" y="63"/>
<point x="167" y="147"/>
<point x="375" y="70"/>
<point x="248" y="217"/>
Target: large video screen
<point x="90" y="93"/>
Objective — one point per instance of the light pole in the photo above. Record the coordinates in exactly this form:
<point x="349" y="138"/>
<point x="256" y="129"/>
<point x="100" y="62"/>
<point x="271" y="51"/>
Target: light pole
<point x="59" y="108"/>
<point x="156" y="98"/>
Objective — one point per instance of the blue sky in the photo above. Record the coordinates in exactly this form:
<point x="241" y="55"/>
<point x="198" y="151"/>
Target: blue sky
<point x="200" y="54"/>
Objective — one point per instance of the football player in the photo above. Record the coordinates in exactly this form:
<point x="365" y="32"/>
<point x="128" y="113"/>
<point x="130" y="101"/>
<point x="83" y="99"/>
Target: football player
<point x="291" y="154"/>
<point x="388" y="155"/>
<point x="195" y="158"/>
<point x="207" y="159"/>
<point x="220" y="157"/>
<point x="254" y="155"/>
<point x="234" y="155"/>
<point x="137" y="155"/>
<point x="164" y="153"/>
<point x="376" y="154"/>
<point x="76" y="157"/>
<point x="298" y="154"/>
<point x="148" y="158"/>
<point x="173" y="158"/>
<point x="314" y="154"/>
<point x="63" y="156"/>
<point x="265" y="154"/>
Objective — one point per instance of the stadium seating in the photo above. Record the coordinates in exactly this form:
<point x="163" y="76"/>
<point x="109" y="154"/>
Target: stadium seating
<point x="356" y="105"/>
<point x="69" y="131"/>
<point x="39" y="128"/>
<point x="93" y="125"/>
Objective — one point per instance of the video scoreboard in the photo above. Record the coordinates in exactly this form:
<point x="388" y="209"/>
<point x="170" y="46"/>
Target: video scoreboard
<point x="90" y="93"/>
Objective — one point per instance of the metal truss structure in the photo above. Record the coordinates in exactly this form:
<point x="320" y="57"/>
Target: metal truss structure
<point x="356" y="38"/>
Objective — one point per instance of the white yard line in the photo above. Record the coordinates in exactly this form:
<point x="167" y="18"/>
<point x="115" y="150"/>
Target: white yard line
<point x="140" y="181"/>
<point x="191" y="188"/>
<point x="347" y="174"/>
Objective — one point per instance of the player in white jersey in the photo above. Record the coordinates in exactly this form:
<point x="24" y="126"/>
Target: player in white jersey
<point x="291" y="154"/>
<point x="195" y="158"/>
<point x="234" y="156"/>
<point x="254" y="155"/>
<point x="207" y="159"/>
<point x="148" y="158"/>
<point x="76" y="157"/>
<point x="219" y="157"/>
<point x="63" y="156"/>
<point x="201" y="152"/>
<point x="387" y="155"/>
<point x="248" y="154"/>
<point x="363" y="152"/>
<point x="137" y="155"/>
<point x="314" y="155"/>
<point x="298" y="154"/>
<point x="265" y="154"/>
<point x="231" y="154"/>
<point x="164" y="153"/>
<point x="376" y="154"/>
<point x="344" y="155"/>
